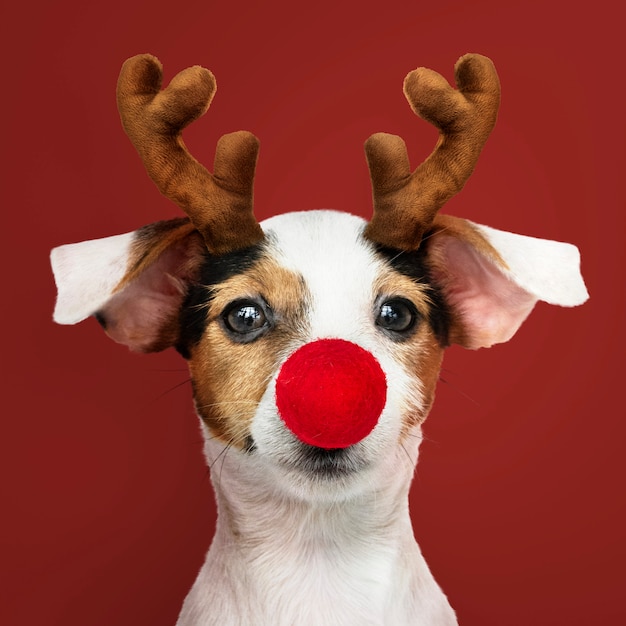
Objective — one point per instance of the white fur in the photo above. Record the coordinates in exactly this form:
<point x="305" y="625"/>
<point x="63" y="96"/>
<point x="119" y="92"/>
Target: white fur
<point x="550" y="270"/>
<point x="86" y="274"/>
<point x="326" y="249"/>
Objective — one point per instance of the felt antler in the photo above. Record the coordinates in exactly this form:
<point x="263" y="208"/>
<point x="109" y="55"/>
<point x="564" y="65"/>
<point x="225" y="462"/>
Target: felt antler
<point x="220" y="204"/>
<point x="406" y="203"/>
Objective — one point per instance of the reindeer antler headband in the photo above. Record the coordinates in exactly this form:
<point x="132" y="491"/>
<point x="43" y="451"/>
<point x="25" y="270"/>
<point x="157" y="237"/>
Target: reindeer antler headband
<point x="406" y="203"/>
<point x="220" y="205"/>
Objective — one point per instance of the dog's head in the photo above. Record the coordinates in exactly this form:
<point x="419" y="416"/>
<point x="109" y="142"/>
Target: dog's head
<point x="314" y="339"/>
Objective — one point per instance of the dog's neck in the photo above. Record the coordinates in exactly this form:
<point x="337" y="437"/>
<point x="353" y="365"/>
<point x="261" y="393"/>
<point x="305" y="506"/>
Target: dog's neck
<point x="256" y="510"/>
<point x="312" y="560"/>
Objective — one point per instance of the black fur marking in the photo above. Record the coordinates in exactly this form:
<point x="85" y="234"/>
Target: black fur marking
<point x="149" y="232"/>
<point x="213" y="271"/>
<point x="413" y="265"/>
<point x="99" y="315"/>
<point x="249" y="446"/>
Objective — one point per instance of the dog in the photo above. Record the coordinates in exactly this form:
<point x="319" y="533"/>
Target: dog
<point x="314" y="342"/>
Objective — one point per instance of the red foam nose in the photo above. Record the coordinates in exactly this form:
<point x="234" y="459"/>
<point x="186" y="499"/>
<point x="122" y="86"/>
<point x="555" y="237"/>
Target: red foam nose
<point x="330" y="393"/>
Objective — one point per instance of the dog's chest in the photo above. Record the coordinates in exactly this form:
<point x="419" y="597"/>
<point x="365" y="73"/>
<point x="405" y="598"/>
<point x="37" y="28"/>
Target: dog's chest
<point x="377" y="586"/>
<point x="316" y="572"/>
<point x="317" y="581"/>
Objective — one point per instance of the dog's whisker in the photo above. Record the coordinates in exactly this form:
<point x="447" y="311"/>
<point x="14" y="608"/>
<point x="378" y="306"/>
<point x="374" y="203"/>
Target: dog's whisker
<point x="408" y="456"/>
<point x="454" y="387"/>
<point x="169" y="390"/>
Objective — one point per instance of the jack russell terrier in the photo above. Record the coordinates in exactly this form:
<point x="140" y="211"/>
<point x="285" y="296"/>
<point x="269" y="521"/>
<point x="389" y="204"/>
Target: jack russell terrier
<point x="314" y="342"/>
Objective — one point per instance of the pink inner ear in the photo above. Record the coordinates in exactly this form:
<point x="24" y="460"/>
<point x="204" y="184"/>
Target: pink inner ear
<point x="144" y="314"/>
<point x="488" y="307"/>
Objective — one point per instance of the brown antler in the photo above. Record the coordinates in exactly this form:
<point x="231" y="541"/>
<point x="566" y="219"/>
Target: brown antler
<point x="220" y="204"/>
<point x="405" y="204"/>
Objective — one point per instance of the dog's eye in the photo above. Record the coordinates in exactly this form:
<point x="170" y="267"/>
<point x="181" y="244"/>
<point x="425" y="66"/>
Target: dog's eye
<point x="397" y="316"/>
<point x="245" y="320"/>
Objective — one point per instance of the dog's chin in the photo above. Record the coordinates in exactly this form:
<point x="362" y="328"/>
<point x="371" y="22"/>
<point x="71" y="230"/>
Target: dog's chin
<point x="308" y="472"/>
<point x="330" y="475"/>
<point x="328" y="464"/>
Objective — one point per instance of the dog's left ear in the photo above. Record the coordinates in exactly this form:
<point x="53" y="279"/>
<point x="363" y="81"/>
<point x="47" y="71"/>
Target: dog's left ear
<point x="491" y="279"/>
<point x="133" y="284"/>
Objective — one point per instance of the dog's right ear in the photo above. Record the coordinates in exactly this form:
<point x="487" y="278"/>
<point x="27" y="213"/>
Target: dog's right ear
<point x="133" y="284"/>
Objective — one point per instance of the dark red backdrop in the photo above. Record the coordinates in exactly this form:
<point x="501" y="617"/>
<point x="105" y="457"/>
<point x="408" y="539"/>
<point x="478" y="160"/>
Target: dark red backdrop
<point x="518" y="502"/>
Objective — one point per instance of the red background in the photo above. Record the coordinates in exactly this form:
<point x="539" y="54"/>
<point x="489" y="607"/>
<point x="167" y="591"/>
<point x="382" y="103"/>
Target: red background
<point x="518" y="501"/>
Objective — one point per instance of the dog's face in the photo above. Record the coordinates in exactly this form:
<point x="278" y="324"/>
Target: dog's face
<point x="246" y="321"/>
<point x="314" y="340"/>
<point x="315" y="278"/>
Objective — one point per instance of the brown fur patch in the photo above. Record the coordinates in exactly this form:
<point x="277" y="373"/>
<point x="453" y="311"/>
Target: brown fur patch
<point x="420" y="354"/>
<point x="465" y="231"/>
<point x="230" y="378"/>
